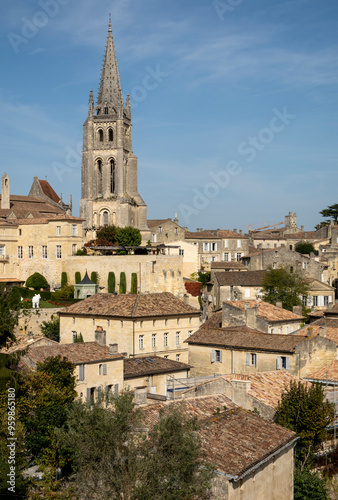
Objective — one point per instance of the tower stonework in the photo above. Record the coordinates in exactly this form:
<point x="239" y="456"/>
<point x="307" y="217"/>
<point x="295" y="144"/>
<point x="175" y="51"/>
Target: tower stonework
<point x="109" y="194"/>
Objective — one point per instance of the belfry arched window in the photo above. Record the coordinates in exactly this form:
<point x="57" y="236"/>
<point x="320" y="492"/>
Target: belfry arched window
<point x="99" y="176"/>
<point x="101" y="135"/>
<point x="112" y="176"/>
<point x="105" y="218"/>
<point x="110" y="135"/>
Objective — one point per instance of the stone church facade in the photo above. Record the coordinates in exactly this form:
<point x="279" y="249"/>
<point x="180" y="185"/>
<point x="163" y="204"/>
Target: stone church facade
<point x="109" y="193"/>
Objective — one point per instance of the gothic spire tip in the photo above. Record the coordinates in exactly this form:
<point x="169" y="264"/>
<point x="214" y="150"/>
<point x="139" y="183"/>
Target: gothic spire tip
<point x="109" y="28"/>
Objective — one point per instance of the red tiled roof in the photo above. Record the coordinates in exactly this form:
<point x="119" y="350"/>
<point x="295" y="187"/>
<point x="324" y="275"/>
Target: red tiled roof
<point x="77" y="353"/>
<point x="157" y="222"/>
<point x="228" y="265"/>
<point x="234" y="278"/>
<point x="265" y="310"/>
<point x="233" y="440"/>
<point x="131" y="306"/>
<point x="328" y="372"/>
<point x="151" y="365"/>
<point x="48" y="190"/>
<point x="244" y="338"/>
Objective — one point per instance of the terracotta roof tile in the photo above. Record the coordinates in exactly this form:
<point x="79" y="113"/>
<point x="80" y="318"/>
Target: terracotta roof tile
<point x="48" y="190"/>
<point x="227" y="265"/>
<point x="244" y="338"/>
<point x="131" y="306"/>
<point x="265" y="310"/>
<point x="157" y="222"/>
<point x="138" y="367"/>
<point x="328" y="372"/>
<point x="234" y="278"/>
<point x="77" y="353"/>
<point x="206" y="234"/>
<point x="233" y="440"/>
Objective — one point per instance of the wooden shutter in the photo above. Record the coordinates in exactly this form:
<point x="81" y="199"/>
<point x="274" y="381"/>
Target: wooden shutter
<point x="279" y="362"/>
<point x="81" y="372"/>
<point x="247" y="359"/>
<point x="287" y="363"/>
<point x="213" y="356"/>
<point x="220" y="356"/>
<point x="88" y="395"/>
<point x="104" y="369"/>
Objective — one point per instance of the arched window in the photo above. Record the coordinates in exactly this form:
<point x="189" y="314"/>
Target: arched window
<point x="112" y="176"/>
<point x="98" y="111"/>
<point x="110" y="135"/>
<point x="105" y="218"/>
<point x="101" y="135"/>
<point x="99" y="176"/>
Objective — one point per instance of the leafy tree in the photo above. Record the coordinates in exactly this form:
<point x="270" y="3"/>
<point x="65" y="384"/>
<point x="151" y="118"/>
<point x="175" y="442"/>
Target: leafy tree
<point x="36" y="281"/>
<point x="305" y="247"/>
<point x="172" y="469"/>
<point x="107" y="233"/>
<point x="133" y="287"/>
<point x="46" y="394"/>
<point x="94" y="277"/>
<point x="111" y="282"/>
<point x="64" y="279"/>
<point x="128" y="236"/>
<point x="66" y="293"/>
<point x="202" y="277"/>
<point x="77" y="277"/>
<point x="309" y="486"/>
<point x="123" y="283"/>
<point x="331" y="211"/>
<point x="282" y="285"/>
<point x="81" y="251"/>
<point x="113" y="461"/>
<point x="305" y="411"/>
<point x="51" y="329"/>
<point x="8" y="315"/>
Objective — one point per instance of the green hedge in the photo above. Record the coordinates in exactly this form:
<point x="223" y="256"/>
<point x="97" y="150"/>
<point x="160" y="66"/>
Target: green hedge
<point x="28" y="294"/>
<point x="123" y="283"/>
<point x="94" y="277"/>
<point x="64" y="279"/>
<point x="77" y="277"/>
<point x="111" y="282"/>
<point x="133" y="288"/>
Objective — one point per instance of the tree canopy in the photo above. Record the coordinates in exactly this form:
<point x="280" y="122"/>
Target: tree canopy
<point x="331" y="212"/>
<point x="128" y="236"/>
<point x="304" y="410"/>
<point x="305" y="247"/>
<point x="36" y="281"/>
<point x="280" y="285"/>
<point x="116" y="461"/>
<point x="51" y="329"/>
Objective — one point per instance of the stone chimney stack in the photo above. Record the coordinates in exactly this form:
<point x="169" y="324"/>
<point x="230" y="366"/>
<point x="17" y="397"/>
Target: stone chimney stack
<point x="251" y="316"/>
<point x="5" y="199"/>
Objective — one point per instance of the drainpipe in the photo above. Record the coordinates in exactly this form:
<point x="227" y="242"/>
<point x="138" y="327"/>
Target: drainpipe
<point x="232" y="361"/>
<point x="133" y="338"/>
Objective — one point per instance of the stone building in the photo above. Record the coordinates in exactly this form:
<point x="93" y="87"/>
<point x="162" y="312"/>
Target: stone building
<point x="165" y="230"/>
<point x="262" y="258"/>
<point x="216" y="245"/>
<point x="139" y="325"/>
<point x="109" y="193"/>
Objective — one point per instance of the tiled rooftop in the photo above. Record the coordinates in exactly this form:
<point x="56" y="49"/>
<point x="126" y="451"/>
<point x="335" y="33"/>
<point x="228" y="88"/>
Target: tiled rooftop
<point x="131" y="306"/>
<point x="234" y="439"/>
<point x="244" y="338"/>
<point x="322" y="327"/>
<point x="228" y="265"/>
<point x="77" y="353"/>
<point x="265" y="310"/>
<point x="328" y="372"/>
<point x="156" y="222"/>
<point x="234" y="278"/>
<point x="151" y="365"/>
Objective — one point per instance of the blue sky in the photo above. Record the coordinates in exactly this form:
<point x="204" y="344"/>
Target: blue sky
<point x="239" y="127"/>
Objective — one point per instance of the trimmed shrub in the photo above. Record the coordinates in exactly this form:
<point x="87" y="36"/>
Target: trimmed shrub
<point x="123" y="283"/>
<point x="78" y="338"/>
<point x="67" y="292"/>
<point x="94" y="277"/>
<point x="133" y="288"/>
<point x="64" y="279"/>
<point x="77" y="277"/>
<point x="36" y="281"/>
<point x="111" y="282"/>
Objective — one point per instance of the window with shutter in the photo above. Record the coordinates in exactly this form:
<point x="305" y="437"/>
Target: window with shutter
<point x="116" y="390"/>
<point x="248" y="359"/>
<point x="104" y="369"/>
<point x="88" y="395"/>
<point x="278" y="363"/>
<point x="212" y="356"/>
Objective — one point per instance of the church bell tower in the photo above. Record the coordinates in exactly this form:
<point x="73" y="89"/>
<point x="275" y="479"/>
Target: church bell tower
<point x="109" y="194"/>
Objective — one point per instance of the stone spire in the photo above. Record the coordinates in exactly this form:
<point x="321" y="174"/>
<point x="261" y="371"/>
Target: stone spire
<point x="110" y="93"/>
<point x="91" y="104"/>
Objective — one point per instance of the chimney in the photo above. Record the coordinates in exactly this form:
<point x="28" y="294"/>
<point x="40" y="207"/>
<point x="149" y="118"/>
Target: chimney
<point x="297" y="310"/>
<point x="5" y="198"/>
<point x="279" y="304"/>
<point x="235" y="230"/>
<point x="322" y="331"/>
<point x="113" y="348"/>
<point x="240" y="231"/>
<point x="251" y="316"/>
<point x="302" y="228"/>
<point x="140" y="395"/>
<point x="100" y="335"/>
